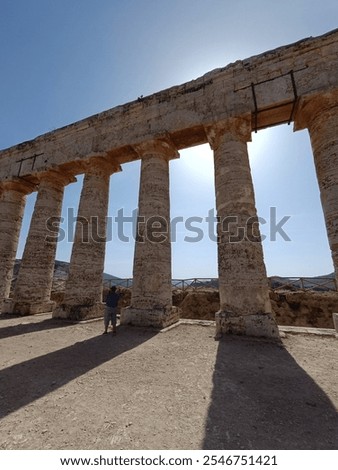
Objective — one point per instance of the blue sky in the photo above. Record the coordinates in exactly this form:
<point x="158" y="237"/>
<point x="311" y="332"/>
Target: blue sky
<point x="64" y="60"/>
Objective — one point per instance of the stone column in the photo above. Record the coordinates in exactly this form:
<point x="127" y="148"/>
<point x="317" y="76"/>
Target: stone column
<point x="243" y="287"/>
<point x="151" y="301"/>
<point x="34" y="282"/>
<point x="320" y="116"/>
<point x="12" y="204"/>
<point x="83" y="294"/>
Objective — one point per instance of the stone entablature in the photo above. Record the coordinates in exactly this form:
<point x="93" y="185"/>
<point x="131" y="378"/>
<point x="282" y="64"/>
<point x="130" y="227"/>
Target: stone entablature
<point x="263" y="83"/>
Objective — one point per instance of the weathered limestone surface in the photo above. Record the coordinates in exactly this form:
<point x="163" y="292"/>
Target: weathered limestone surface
<point x="12" y="203"/>
<point x="320" y="115"/>
<point x="243" y="287"/>
<point x="83" y="295"/>
<point x="151" y="302"/>
<point x="35" y="278"/>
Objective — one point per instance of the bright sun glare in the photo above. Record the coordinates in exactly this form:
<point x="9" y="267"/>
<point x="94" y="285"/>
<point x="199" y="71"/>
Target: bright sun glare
<point x="198" y="163"/>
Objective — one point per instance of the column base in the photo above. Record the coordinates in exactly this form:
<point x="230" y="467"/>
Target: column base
<point x="156" y="318"/>
<point x="27" y="308"/>
<point x="79" y="312"/>
<point x="6" y="306"/>
<point x="335" y="321"/>
<point x="3" y="306"/>
<point x="259" y="324"/>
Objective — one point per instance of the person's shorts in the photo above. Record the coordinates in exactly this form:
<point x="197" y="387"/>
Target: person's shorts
<point x="110" y="315"/>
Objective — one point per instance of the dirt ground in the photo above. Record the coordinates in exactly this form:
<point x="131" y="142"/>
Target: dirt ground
<point x="67" y="386"/>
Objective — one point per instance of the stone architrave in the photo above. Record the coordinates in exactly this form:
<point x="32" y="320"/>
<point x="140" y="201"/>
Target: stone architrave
<point x="319" y="115"/>
<point x="151" y="301"/>
<point x="34" y="282"/>
<point x="12" y="203"/>
<point x="83" y="294"/>
<point x="243" y="286"/>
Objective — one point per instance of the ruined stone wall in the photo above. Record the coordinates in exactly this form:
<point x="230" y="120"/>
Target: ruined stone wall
<point x="299" y="308"/>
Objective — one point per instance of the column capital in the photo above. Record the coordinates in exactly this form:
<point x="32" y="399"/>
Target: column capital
<point x="56" y="178"/>
<point x="163" y="147"/>
<point x="19" y="185"/>
<point x="239" y="128"/>
<point x="97" y="165"/>
<point x="309" y="108"/>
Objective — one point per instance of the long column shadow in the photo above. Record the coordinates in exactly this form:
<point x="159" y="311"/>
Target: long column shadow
<point x="30" y="380"/>
<point x="25" y="328"/>
<point x="262" y="399"/>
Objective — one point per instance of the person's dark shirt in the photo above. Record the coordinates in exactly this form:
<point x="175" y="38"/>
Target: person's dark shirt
<point x="112" y="299"/>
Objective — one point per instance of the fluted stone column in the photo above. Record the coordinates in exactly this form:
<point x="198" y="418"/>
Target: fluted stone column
<point x="243" y="287"/>
<point x="320" y="116"/>
<point x="34" y="282"/>
<point x="83" y="294"/>
<point x="151" y="301"/>
<point x="12" y="204"/>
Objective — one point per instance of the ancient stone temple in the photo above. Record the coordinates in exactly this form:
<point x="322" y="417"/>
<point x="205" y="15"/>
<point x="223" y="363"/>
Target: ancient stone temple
<point x="297" y="83"/>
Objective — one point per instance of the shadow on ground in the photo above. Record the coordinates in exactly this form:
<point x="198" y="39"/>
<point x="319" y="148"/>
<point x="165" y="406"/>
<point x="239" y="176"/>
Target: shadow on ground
<point x="262" y="399"/>
<point x="30" y="327"/>
<point x="30" y="380"/>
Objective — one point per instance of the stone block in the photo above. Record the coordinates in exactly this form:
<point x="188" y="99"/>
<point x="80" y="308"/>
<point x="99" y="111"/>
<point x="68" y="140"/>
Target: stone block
<point x="161" y="318"/>
<point x="27" y="308"/>
<point x="260" y="325"/>
<point x="79" y="312"/>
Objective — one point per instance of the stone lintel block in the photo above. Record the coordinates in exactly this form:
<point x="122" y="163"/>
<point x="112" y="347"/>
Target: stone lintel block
<point x="259" y="324"/>
<point x="79" y="312"/>
<point x="335" y="321"/>
<point x="156" y="318"/>
<point x="27" y="308"/>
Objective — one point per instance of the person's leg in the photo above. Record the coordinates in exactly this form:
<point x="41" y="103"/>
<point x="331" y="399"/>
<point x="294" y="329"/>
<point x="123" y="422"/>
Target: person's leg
<point x="106" y="320"/>
<point x="113" y="320"/>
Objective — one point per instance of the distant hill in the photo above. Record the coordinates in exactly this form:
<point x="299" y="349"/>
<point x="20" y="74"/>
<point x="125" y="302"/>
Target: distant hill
<point x="61" y="269"/>
<point x="316" y="283"/>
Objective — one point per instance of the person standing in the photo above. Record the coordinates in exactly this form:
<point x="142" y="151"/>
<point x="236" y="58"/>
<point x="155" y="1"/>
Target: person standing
<point x="112" y="300"/>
